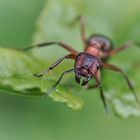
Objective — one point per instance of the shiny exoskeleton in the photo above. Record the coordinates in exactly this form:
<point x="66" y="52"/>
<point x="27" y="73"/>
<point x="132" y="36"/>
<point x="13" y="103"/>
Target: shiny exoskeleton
<point x="97" y="50"/>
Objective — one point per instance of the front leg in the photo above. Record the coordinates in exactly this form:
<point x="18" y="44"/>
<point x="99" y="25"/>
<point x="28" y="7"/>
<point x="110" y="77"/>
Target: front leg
<point x="97" y="75"/>
<point x="58" y="81"/>
<point x="69" y="56"/>
<point x="98" y="85"/>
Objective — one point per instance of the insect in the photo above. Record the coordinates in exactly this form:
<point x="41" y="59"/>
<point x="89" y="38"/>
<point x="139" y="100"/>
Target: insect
<point x="89" y="62"/>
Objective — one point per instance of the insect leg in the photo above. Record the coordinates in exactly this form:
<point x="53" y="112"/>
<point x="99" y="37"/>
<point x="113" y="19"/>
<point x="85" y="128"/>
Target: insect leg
<point x="82" y="30"/>
<point x="115" y="68"/>
<point x="70" y="56"/>
<point x="98" y="85"/>
<point x="61" y="44"/>
<point x="97" y="75"/>
<point x="101" y="95"/>
<point x="125" y="46"/>
<point x="56" y="84"/>
<point x="103" y="99"/>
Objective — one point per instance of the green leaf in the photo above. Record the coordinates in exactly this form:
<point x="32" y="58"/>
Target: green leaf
<point x="57" y="22"/>
<point x="16" y="78"/>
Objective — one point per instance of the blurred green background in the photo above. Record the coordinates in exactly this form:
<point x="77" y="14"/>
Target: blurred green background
<point x="33" y="119"/>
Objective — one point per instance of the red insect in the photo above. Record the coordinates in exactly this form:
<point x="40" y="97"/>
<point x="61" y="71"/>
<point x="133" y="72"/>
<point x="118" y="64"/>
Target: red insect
<point x="97" y="50"/>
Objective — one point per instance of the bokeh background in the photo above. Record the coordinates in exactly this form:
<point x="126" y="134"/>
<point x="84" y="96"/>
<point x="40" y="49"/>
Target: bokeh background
<point x="33" y="119"/>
